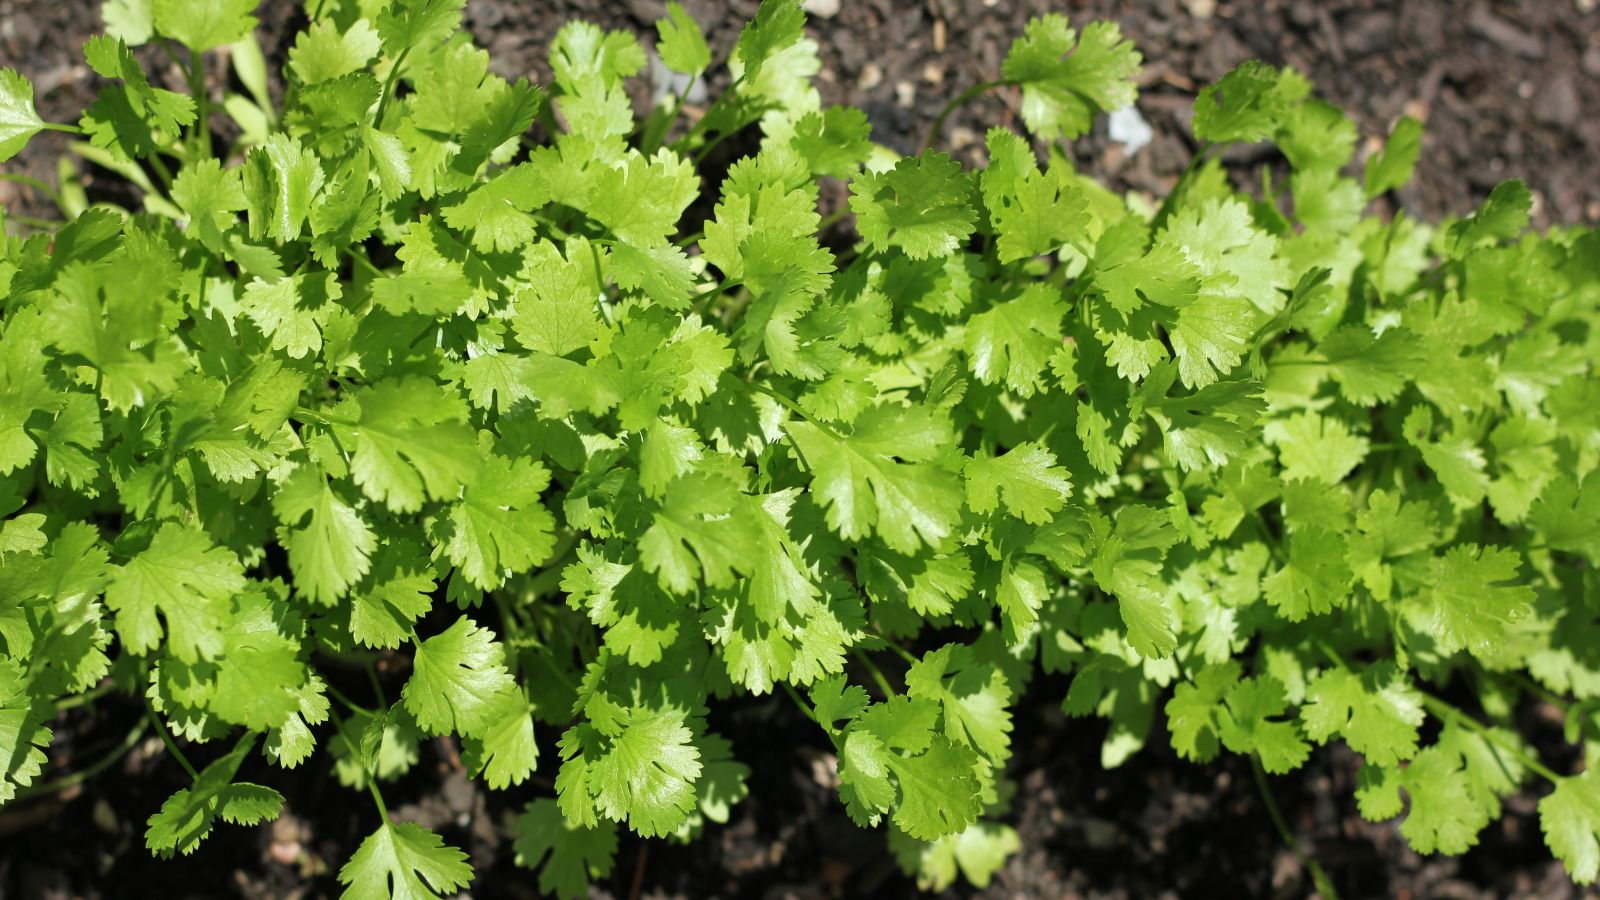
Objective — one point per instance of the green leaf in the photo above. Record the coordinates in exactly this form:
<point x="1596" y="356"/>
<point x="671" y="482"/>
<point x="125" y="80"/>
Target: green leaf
<point x="456" y="681"/>
<point x="972" y="696"/>
<point x="1569" y="816"/>
<point x="411" y="444"/>
<point x="1026" y="478"/>
<point x="1377" y="712"/>
<point x="506" y="752"/>
<point x="682" y="46"/>
<point x="1501" y="217"/>
<point x="1316" y="578"/>
<point x="938" y="790"/>
<point x="877" y="482"/>
<point x="1391" y="168"/>
<point x="1067" y="79"/>
<point x="404" y="860"/>
<point x="923" y="206"/>
<point x="383" y="615"/>
<point x="18" y="121"/>
<point x="188" y="580"/>
<point x="331" y="552"/>
<point x="186" y="818"/>
<point x="568" y="857"/>
<point x="1012" y="342"/>
<point x="644" y="774"/>
<point x="1248" y="104"/>
<point x="203" y="25"/>
<point x="1249" y="723"/>
<point x="1044" y="214"/>
<point x="499" y="528"/>
<point x="1474" y="600"/>
<point x="418" y="23"/>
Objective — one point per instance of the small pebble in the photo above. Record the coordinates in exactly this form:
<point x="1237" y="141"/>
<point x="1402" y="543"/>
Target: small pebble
<point x="905" y="94"/>
<point x="1201" y="9"/>
<point x="871" y="77"/>
<point x="822" y="9"/>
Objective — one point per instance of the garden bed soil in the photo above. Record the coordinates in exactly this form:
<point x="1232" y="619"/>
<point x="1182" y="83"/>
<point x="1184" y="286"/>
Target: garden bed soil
<point x="1506" y="90"/>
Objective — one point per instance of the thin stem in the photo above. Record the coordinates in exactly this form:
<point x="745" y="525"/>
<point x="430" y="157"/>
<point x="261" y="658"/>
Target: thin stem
<point x="355" y="753"/>
<point x="1168" y="203"/>
<point x="161" y="170"/>
<point x="388" y="85"/>
<point x="708" y="146"/>
<point x="202" y="102"/>
<point x="31" y="222"/>
<point x="37" y="184"/>
<point x="172" y="746"/>
<point x="377" y="685"/>
<point x="1318" y="876"/>
<point x="1449" y="713"/>
<point x="638" y="869"/>
<point x="894" y="645"/>
<point x="788" y="404"/>
<point x="703" y="305"/>
<point x="876" y="673"/>
<point x="833" y="218"/>
<point x="57" y="126"/>
<point x="98" y="766"/>
<point x="808" y="709"/>
<point x="354" y="706"/>
<point x="89" y="696"/>
<point x="954" y="104"/>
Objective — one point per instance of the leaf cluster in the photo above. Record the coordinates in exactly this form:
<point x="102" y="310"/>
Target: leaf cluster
<point x="388" y="387"/>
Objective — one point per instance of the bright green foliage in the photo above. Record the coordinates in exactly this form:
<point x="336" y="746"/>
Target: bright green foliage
<point x="571" y="442"/>
<point x="404" y="860"/>
<point x="18" y="120"/>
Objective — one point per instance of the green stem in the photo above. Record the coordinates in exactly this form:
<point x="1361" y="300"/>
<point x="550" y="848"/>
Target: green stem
<point x="172" y="746"/>
<point x="788" y="404"/>
<point x="833" y="218"/>
<point x="202" y="103"/>
<point x="31" y="222"/>
<point x="89" y="696"/>
<point x="161" y="170"/>
<point x="808" y="709"/>
<point x="1169" y="202"/>
<point x="354" y="706"/>
<point x="355" y="753"/>
<point x="876" y="673"/>
<point x="377" y="685"/>
<point x="388" y="86"/>
<point x="902" y="652"/>
<point x="98" y="766"/>
<point x="1318" y="876"/>
<point x="37" y="184"/>
<point x="1449" y="713"/>
<point x="956" y="103"/>
<point x="703" y="305"/>
<point x="57" y="126"/>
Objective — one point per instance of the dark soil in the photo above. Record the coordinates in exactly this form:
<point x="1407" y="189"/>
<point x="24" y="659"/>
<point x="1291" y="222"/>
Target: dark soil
<point x="1506" y="89"/>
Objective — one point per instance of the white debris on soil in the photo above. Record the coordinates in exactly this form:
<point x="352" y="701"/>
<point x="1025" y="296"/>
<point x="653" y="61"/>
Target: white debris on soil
<point x="823" y="9"/>
<point x="666" y="84"/>
<point x="1129" y="129"/>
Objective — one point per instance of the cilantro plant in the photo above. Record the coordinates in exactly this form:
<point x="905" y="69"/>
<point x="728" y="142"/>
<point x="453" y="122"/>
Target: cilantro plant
<point x="376" y="383"/>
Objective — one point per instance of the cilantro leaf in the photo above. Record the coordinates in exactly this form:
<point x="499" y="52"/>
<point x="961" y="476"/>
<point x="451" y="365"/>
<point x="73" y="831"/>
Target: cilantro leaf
<point x="1068" y="78"/>
<point x="457" y="679"/>
<point x="922" y="206"/>
<point x="188" y="580"/>
<point x="567" y="856"/>
<point x="403" y="859"/>
<point x="18" y="121"/>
